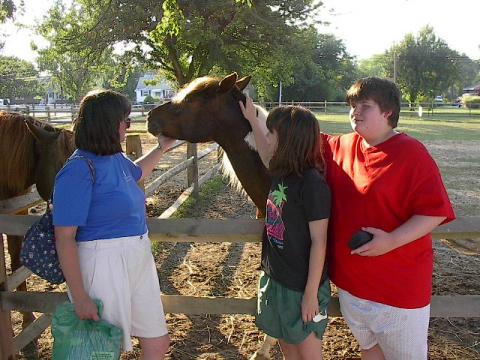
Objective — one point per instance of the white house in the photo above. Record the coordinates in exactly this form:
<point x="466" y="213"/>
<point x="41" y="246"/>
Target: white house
<point x="162" y="88"/>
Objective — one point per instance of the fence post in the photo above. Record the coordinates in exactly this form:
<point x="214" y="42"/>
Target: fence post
<point x="192" y="170"/>
<point x="6" y="340"/>
<point x="133" y="148"/>
<point x="325" y="106"/>
<point x="47" y="109"/>
<point x="72" y="110"/>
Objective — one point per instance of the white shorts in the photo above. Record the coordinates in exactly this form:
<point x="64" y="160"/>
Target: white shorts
<point x="121" y="273"/>
<point x="401" y="333"/>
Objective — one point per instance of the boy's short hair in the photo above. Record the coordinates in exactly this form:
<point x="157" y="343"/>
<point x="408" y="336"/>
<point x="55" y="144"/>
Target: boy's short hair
<point x="299" y="142"/>
<point x="384" y="92"/>
<point x="96" y="126"/>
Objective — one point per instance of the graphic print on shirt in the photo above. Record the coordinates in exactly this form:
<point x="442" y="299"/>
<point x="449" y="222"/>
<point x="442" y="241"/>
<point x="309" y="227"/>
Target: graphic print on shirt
<point x="274" y="223"/>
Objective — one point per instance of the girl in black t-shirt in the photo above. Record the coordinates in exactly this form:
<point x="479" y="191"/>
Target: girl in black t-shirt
<point x="294" y="290"/>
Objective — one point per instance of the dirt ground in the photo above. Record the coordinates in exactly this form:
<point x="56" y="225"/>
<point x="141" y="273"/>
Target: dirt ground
<point x="232" y="270"/>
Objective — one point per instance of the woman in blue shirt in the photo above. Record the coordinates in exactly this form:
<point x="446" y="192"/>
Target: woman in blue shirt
<point x="100" y="226"/>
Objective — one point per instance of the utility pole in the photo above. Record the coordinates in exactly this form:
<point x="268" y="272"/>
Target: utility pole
<point x="280" y="93"/>
<point x="394" y="65"/>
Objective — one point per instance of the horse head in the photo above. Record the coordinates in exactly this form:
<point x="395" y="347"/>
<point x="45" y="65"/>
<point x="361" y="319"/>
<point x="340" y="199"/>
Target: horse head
<point x="207" y="110"/>
<point x="52" y="148"/>
<point x="202" y="111"/>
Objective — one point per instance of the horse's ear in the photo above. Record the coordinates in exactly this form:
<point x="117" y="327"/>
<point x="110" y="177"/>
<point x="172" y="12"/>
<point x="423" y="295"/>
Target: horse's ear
<point x="40" y="134"/>
<point x="227" y="82"/>
<point x="243" y="82"/>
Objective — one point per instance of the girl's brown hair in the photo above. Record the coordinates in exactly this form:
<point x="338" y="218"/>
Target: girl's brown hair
<point x="299" y="143"/>
<point x="98" y="120"/>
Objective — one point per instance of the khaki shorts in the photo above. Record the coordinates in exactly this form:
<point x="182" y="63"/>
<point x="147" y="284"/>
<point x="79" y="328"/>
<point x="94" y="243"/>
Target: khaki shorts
<point x="279" y="311"/>
<point x="401" y="333"/>
<point x="122" y="274"/>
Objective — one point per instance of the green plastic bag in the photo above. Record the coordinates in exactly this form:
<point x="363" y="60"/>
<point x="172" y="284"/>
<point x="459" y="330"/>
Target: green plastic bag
<point x="76" y="339"/>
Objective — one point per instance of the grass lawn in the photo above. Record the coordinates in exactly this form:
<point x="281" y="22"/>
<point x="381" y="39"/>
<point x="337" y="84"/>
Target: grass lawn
<point x="432" y="128"/>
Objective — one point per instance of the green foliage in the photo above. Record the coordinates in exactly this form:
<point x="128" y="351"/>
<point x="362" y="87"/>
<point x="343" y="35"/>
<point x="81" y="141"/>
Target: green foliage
<point x="151" y="100"/>
<point x="471" y="102"/>
<point x="7" y="9"/>
<point x="18" y="79"/>
<point x="322" y="68"/>
<point x="377" y="66"/>
<point x="187" y="39"/>
<point x="425" y="65"/>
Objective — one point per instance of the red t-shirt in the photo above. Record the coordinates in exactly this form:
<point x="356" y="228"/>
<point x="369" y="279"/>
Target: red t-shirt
<point x="382" y="187"/>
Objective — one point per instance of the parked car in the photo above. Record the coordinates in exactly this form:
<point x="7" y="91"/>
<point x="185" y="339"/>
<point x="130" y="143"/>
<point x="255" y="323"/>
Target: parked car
<point x="438" y="99"/>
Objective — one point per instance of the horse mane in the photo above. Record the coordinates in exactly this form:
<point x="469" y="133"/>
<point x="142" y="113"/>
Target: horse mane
<point x="66" y="141"/>
<point x="200" y="85"/>
<point x="227" y="168"/>
<point x="17" y="146"/>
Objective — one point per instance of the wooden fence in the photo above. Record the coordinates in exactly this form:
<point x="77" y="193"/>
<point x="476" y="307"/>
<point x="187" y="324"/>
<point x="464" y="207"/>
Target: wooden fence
<point x="193" y="230"/>
<point x="17" y="205"/>
<point x="62" y="112"/>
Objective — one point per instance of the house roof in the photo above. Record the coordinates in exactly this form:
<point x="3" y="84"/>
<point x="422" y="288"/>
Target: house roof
<point x="161" y="84"/>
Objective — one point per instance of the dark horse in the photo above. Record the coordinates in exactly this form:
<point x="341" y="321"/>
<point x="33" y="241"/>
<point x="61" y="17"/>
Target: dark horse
<point x="32" y="153"/>
<point x="207" y="110"/>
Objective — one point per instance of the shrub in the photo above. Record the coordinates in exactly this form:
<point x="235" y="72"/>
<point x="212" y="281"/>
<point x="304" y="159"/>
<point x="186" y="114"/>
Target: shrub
<point x="471" y="102"/>
<point x="151" y="100"/>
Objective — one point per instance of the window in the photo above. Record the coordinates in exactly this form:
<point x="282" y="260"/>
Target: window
<point x="144" y="92"/>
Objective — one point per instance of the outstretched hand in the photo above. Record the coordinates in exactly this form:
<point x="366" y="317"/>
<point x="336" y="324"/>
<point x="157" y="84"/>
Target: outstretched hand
<point x="164" y="142"/>
<point x="381" y="243"/>
<point x="248" y="110"/>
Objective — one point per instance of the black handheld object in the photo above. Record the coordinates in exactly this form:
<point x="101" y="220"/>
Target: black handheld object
<point x="360" y="238"/>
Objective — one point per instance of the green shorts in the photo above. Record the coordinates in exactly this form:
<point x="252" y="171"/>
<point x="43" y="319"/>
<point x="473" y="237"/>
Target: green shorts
<point x="279" y="311"/>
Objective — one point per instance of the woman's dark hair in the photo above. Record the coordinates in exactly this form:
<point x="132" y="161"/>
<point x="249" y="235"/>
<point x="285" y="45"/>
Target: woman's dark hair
<point x="96" y="126"/>
<point x="384" y="92"/>
<point x="299" y="145"/>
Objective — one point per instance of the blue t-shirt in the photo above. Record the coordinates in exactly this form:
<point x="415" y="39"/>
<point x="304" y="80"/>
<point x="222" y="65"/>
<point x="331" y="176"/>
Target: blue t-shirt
<point x="112" y="207"/>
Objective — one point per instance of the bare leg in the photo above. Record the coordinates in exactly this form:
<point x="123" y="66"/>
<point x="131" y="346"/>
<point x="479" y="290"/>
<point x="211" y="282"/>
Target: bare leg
<point x="264" y="352"/>
<point x="375" y="353"/>
<point x="290" y="351"/>
<point x="154" y="348"/>
<point x="311" y="348"/>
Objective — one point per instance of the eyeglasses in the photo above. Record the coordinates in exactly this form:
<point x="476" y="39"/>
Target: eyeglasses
<point x="127" y="121"/>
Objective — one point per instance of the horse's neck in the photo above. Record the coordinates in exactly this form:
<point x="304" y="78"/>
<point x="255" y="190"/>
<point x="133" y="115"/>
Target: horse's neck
<point x="249" y="169"/>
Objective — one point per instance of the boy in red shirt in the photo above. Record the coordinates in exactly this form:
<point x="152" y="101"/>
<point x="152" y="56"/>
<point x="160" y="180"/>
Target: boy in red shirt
<point x="386" y="183"/>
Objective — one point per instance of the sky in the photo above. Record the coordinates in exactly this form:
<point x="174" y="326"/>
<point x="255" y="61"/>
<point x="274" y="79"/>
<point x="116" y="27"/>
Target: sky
<point x="367" y="27"/>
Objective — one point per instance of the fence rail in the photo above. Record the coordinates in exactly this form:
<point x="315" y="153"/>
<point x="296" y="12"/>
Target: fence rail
<point x="60" y="113"/>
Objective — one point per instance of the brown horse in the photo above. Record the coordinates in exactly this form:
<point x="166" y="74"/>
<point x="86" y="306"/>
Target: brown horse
<point x="207" y="110"/>
<point x="32" y="153"/>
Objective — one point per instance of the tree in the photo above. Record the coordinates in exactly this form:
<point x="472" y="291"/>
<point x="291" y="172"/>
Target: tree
<point x="468" y="72"/>
<point x="376" y="65"/>
<point x="7" y="9"/>
<point x="323" y="69"/>
<point x="18" y="79"/>
<point x="73" y="71"/>
<point x="425" y="65"/>
<point x="187" y="39"/>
